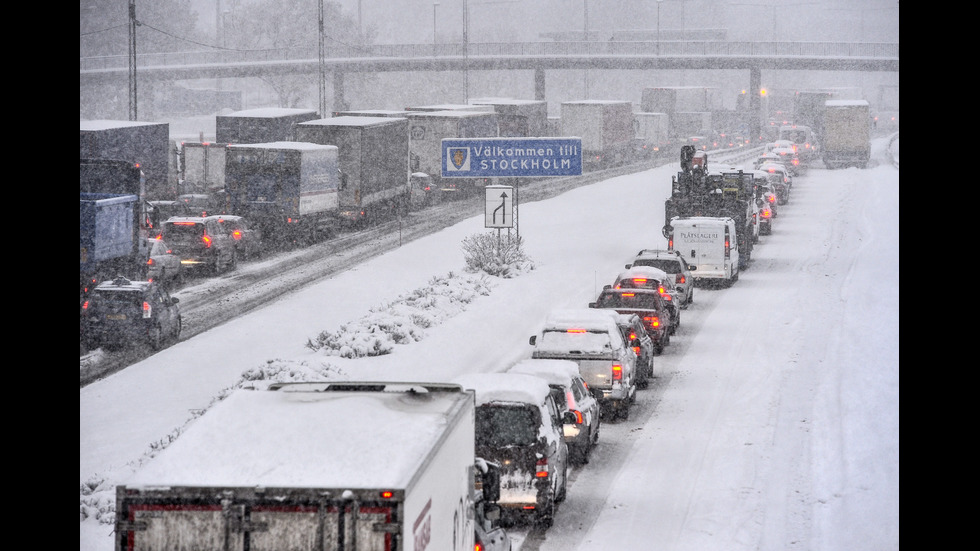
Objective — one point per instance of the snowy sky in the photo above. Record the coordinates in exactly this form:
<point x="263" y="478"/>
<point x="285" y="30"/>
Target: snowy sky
<point x="773" y="423"/>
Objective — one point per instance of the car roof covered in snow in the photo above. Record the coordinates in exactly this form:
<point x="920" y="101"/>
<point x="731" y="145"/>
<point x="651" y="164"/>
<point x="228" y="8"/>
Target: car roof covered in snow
<point x="505" y="387"/>
<point x="648" y="272"/>
<point x="554" y="372"/>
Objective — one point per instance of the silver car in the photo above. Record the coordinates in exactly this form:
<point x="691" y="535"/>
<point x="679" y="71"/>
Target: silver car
<point x="674" y="264"/>
<point x="162" y="265"/>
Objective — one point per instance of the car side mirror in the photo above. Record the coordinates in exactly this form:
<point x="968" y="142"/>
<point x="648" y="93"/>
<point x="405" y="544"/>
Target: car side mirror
<point x="628" y="266"/>
<point x="568" y="418"/>
<point x="532" y="340"/>
<point x="174" y="300"/>
<point x="692" y="267"/>
<point x="592" y="305"/>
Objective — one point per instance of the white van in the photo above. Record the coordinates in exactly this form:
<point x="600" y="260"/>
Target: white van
<point x="708" y="242"/>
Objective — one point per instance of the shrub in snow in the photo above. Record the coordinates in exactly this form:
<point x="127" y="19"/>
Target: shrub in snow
<point x="496" y="255"/>
<point x="404" y="320"/>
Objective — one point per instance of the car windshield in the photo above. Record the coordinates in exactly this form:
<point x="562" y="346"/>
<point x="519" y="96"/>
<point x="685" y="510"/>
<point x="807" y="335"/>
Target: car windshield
<point x="646" y="301"/>
<point x="500" y="426"/>
<point x="580" y="341"/>
<point x="668" y="266"/>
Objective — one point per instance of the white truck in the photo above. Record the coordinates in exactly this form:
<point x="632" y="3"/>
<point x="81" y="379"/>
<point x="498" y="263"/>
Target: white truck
<point x="652" y="134"/>
<point x="202" y="167"/>
<point x="373" y="155"/>
<point x="358" y="466"/>
<point x="606" y="129"/>
<point x="708" y="242"/>
<point x="519" y="118"/>
<point x="262" y="125"/>
<point x="427" y="129"/>
<point x="846" y="133"/>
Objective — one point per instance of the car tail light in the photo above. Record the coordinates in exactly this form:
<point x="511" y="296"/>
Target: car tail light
<point x="617" y="372"/>
<point x="237" y="234"/>
<point x="207" y="241"/>
<point x="680" y="279"/>
<point x="766" y="213"/>
<point x="85" y="305"/>
<point x="478" y="545"/>
<point x="728" y="244"/>
<point x="149" y="262"/>
<point x="639" y="280"/>
<point x="541" y="468"/>
<point x="147" y="310"/>
<point x="636" y="350"/>
<point x="652" y="321"/>
<point x="772" y="197"/>
<point x="575" y="331"/>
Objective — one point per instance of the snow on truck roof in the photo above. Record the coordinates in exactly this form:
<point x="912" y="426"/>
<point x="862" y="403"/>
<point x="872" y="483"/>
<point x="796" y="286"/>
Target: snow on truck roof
<point x="107" y="124"/>
<point x="845" y="102"/>
<point x="299" y="146"/>
<point x="336" y="439"/>
<point x="269" y="112"/>
<point x="351" y="120"/>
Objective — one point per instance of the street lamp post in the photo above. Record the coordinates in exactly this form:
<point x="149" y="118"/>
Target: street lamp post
<point x="658" y="25"/>
<point x="434" y="6"/>
<point x="585" y="5"/>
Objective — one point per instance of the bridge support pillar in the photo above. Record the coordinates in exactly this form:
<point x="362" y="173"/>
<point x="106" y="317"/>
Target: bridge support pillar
<point x="339" y="102"/>
<point x="755" y="102"/>
<point x="539" y="84"/>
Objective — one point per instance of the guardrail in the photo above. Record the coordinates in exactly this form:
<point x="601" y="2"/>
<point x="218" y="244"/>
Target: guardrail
<point x="830" y="50"/>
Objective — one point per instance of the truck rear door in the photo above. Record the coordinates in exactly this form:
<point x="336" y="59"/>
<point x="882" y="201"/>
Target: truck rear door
<point x="164" y="524"/>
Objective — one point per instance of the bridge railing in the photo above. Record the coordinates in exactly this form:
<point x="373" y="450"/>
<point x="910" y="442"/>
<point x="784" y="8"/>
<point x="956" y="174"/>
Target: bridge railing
<point x="579" y="48"/>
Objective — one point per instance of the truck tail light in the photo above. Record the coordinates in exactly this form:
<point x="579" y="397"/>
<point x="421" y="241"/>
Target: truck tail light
<point x="147" y="310"/>
<point x="541" y="468"/>
<point x="617" y="372"/>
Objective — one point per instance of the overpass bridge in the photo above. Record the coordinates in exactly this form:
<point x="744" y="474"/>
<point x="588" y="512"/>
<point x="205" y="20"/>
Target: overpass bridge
<point x="753" y="57"/>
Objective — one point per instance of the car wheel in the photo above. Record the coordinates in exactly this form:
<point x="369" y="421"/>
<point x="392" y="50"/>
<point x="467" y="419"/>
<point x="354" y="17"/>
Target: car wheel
<point x="178" y="329"/>
<point x="155" y="337"/>
<point x="546" y="517"/>
<point x="624" y="410"/>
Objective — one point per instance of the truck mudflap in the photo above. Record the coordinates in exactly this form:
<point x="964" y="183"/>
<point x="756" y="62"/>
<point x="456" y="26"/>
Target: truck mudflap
<point x="223" y="519"/>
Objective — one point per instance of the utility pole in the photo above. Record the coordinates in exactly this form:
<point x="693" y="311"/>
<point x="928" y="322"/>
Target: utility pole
<point x="133" y="23"/>
<point x="323" y="78"/>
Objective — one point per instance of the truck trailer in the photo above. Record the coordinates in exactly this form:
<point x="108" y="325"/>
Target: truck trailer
<point x="143" y="143"/>
<point x="264" y="125"/>
<point x="847" y="133"/>
<point x="373" y="157"/>
<point x="427" y="129"/>
<point x="358" y="466"/>
<point x="518" y="118"/>
<point x="606" y="129"/>
<point x="652" y="134"/>
<point x="289" y="189"/>
<point x="202" y="167"/>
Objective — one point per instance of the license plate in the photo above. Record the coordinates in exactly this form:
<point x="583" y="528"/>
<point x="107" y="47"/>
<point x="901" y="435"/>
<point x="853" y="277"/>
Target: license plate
<point x="115" y="316"/>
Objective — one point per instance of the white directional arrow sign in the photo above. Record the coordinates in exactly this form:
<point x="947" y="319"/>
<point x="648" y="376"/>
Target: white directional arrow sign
<point x="499" y="207"/>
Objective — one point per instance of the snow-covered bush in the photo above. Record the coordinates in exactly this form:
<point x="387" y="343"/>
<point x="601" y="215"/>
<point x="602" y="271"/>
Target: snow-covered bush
<point x="496" y="255"/>
<point x="404" y="320"/>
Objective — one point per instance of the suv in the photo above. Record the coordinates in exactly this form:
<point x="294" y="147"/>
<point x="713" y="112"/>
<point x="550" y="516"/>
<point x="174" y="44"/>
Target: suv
<point x="633" y="331"/>
<point x="121" y="311"/>
<point x="673" y="264"/>
<point x="519" y="427"/>
<point x="592" y="339"/>
<point x="580" y="409"/>
<point x="645" y="303"/>
<point x="201" y="243"/>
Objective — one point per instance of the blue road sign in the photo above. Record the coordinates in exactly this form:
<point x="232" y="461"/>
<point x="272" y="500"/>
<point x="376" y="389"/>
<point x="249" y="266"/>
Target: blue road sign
<point x="501" y="157"/>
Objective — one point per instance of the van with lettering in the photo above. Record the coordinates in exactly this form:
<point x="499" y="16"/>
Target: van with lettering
<point x="710" y="243"/>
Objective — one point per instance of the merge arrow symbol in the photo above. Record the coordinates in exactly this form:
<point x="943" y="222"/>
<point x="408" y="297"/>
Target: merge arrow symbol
<point x="503" y="203"/>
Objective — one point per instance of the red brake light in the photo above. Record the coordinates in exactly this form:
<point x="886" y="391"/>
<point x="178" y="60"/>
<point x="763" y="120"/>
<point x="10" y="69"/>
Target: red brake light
<point x="629" y="294"/>
<point x="575" y="331"/>
<point x="149" y="262"/>
<point x="617" y="372"/>
<point x="578" y="416"/>
<point x="541" y="468"/>
<point x="237" y="234"/>
<point x="636" y="350"/>
<point x="147" y="309"/>
<point x="680" y="279"/>
<point x="639" y="280"/>
<point x="85" y="305"/>
<point x="387" y="494"/>
<point x="207" y="241"/>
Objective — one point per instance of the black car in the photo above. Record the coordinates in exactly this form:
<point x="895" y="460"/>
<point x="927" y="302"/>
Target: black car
<point x="648" y="304"/>
<point x="121" y="312"/>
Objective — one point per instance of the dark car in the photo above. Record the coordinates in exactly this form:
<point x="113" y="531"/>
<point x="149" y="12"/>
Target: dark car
<point x="648" y="277"/>
<point x="202" y="243"/>
<point x="247" y="238"/>
<point x="645" y="303"/>
<point x="121" y="312"/>
<point x="581" y="429"/>
<point x="634" y="332"/>
<point x="519" y="427"/>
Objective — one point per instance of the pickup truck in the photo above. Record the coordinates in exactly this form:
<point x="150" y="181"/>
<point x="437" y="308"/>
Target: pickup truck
<point x="592" y="339"/>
